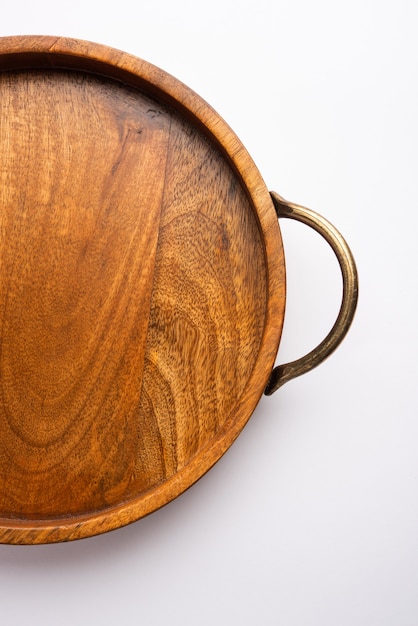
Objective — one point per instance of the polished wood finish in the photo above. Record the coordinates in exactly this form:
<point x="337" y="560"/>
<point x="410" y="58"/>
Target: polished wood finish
<point x="142" y="288"/>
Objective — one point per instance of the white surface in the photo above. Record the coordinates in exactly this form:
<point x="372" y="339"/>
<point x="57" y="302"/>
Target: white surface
<point x="311" y="518"/>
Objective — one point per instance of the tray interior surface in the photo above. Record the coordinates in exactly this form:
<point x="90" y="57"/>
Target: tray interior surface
<point x="133" y="293"/>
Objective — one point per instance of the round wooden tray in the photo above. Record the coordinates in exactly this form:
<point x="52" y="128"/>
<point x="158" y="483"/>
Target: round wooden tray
<point x="142" y="288"/>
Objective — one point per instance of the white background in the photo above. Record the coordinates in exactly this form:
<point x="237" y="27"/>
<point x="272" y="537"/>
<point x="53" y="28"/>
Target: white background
<point x="311" y="518"/>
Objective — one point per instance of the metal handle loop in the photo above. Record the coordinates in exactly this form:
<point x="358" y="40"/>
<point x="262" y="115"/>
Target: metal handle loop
<point x="281" y="374"/>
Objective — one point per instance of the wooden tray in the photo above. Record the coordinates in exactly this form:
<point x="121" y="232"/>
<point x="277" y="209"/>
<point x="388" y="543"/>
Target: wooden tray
<point x="142" y="288"/>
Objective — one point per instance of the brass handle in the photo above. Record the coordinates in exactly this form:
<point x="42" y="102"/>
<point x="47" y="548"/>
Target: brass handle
<point x="281" y="374"/>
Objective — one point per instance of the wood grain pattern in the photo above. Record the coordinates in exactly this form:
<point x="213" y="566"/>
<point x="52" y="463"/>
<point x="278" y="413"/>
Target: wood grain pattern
<point x="207" y="306"/>
<point x="77" y="254"/>
<point x="137" y="294"/>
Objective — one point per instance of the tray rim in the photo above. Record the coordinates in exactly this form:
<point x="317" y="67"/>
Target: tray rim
<point x="62" y="53"/>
